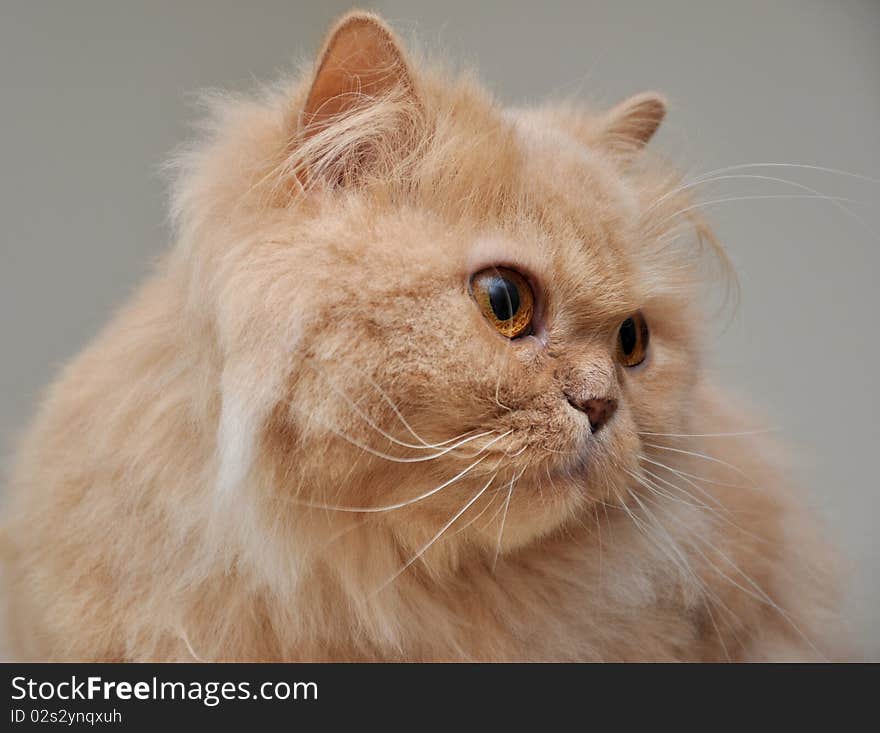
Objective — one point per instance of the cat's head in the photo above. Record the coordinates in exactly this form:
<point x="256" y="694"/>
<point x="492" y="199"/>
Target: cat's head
<point x="429" y="312"/>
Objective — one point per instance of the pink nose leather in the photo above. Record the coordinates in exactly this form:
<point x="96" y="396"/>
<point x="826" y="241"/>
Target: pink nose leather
<point x="598" y="410"/>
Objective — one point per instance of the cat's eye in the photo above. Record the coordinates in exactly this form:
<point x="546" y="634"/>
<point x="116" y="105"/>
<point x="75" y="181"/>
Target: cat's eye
<point x="506" y="300"/>
<point x="632" y="340"/>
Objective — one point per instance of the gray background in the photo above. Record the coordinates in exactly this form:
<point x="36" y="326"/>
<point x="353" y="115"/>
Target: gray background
<point x="96" y="94"/>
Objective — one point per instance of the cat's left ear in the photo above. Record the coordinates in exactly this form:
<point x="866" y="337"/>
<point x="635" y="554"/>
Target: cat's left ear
<point x="629" y="125"/>
<point x="361" y="103"/>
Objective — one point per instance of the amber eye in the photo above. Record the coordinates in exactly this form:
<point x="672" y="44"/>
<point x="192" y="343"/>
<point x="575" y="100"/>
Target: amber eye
<point x="632" y="340"/>
<point x="506" y="300"/>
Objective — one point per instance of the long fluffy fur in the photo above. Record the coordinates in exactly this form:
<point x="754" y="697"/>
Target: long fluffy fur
<point x="211" y="478"/>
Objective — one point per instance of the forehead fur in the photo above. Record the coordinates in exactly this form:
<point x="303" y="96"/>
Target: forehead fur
<point x="611" y="233"/>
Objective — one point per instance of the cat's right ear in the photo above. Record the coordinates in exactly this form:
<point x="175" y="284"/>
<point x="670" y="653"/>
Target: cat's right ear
<point x="359" y="114"/>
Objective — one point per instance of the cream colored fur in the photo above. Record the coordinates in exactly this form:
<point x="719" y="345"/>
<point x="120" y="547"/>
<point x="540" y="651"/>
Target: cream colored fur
<point x="229" y="471"/>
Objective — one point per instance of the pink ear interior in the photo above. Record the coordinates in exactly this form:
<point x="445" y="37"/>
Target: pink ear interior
<point x="361" y="60"/>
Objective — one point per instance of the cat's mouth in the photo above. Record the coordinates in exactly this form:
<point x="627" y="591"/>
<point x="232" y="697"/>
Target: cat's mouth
<point x="579" y="463"/>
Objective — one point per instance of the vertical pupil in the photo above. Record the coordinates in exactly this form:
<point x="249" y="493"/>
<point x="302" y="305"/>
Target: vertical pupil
<point x="504" y="298"/>
<point x="628" y="336"/>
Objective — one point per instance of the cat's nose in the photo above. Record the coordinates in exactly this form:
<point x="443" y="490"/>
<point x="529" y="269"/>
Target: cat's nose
<point x="598" y="409"/>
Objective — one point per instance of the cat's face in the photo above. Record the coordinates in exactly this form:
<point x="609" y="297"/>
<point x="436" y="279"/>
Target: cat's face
<point x="472" y="335"/>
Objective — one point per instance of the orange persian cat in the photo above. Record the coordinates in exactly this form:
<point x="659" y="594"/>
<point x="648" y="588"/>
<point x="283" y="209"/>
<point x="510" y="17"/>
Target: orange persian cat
<point x="421" y="379"/>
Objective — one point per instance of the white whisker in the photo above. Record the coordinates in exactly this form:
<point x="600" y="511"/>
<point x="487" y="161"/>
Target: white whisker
<point x="480" y="513"/>
<point x="361" y="414"/>
<point x="761" y="197"/>
<point x="682" y="474"/>
<point x="700" y="455"/>
<point x="420" y="459"/>
<point x="655" y="489"/>
<point x="700" y="582"/>
<point x="740" y="433"/>
<point x="504" y="519"/>
<point x="702" y="491"/>
<point x="758" y="593"/>
<point x="722" y="515"/>
<point x="403" y="420"/>
<point x="773" y="179"/>
<point x="804" y="166"/>
<point x="398" y="505"/>
<point x="436" y="537"/>
<point x="676" y="558"/>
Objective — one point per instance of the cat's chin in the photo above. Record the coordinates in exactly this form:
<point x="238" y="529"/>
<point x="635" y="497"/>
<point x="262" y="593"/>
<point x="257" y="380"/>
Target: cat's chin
<point x="546" y="499"/>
